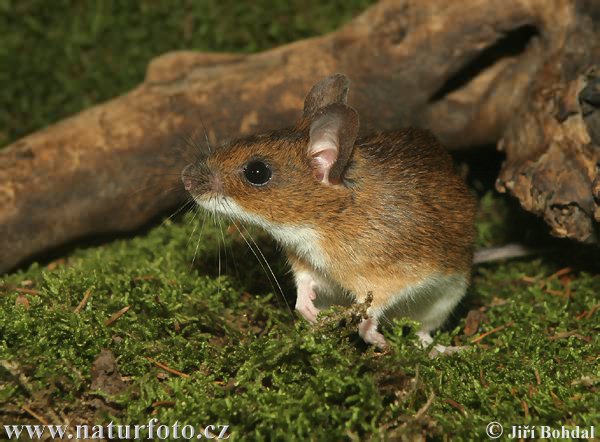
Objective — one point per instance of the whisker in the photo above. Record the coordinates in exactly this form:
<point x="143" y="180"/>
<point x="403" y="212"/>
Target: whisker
<point x="196" y="212"/>
<point x="156" y="185"/>
<point x="166" y="174"/>
<point x="183" y="206"/>
<point x="196" y="149"/>
<point x="188" y="140"/>
<point x="188" y="146"/>
<point x="206" y="136"/>
<point x="261" y="261"/>
<point x="265" y="259"/>
<point x="235" y="268"/>
<point x="224" y="243"/>
<point x="199" y="238"/>
<point x="219" y="265"/>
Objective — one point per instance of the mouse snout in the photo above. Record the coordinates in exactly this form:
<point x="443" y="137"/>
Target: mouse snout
<point x="198" y="179"/>
<point x="189" y="176"/>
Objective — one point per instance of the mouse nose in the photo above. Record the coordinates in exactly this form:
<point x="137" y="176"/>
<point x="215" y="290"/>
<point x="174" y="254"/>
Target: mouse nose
<point x="187" y="176"/>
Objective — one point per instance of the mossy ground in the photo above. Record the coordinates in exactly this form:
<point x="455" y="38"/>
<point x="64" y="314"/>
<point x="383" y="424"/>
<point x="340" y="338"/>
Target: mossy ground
<point x="239" y="355"/>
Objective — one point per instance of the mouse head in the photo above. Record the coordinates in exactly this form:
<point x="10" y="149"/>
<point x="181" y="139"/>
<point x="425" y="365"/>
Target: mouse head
<point x="289" y="176"/>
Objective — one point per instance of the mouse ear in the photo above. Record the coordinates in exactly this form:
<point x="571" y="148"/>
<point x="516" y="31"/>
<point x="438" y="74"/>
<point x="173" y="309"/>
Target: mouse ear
<point x="333" y="132"/>
<point x="330" y="90"/>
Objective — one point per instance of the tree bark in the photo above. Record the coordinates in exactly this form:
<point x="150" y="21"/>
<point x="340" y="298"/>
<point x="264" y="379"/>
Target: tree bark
<point x="462" y="69"/>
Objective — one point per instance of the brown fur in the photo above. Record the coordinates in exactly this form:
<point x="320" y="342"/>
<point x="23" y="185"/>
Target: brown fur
<point x="399" y="214"/>
<point x="402" y="210"/>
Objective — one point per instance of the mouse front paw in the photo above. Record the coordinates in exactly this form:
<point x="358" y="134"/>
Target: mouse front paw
<point x="306" y="296"/>
<point x="308" y="310"/>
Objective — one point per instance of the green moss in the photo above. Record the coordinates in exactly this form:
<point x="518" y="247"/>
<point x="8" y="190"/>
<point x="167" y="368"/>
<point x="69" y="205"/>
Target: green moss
<point x="253" y="368"/>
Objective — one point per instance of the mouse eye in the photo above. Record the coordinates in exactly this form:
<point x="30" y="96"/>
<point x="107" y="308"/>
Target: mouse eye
<point x="257" y="173"/>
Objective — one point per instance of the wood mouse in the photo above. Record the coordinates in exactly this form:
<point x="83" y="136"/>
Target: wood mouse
<point x="384" y="214"/>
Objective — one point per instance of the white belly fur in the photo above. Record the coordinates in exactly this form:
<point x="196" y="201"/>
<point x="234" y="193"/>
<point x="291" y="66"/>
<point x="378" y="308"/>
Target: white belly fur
<point x="430" y="302"/>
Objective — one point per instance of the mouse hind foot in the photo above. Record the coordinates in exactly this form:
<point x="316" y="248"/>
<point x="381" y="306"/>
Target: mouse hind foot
<point x="367" y="330"/>
<point x="425" y="340"/>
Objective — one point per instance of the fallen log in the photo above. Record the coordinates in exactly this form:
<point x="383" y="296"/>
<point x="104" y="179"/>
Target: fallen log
<point x="413" y="62"/>
<point x="552" y="144"/>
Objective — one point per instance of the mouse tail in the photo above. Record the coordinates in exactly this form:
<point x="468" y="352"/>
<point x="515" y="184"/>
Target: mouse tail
<point x="507" y="251"/>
